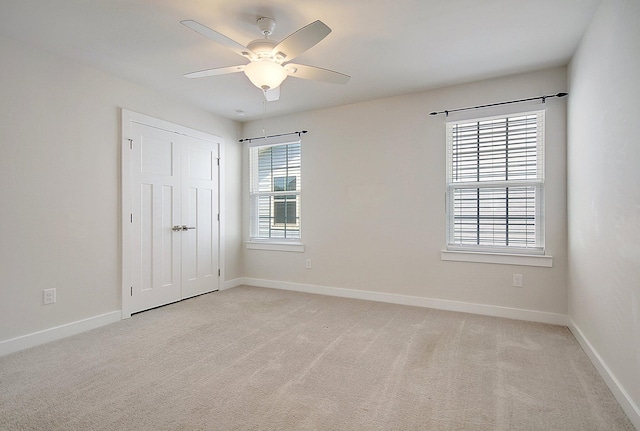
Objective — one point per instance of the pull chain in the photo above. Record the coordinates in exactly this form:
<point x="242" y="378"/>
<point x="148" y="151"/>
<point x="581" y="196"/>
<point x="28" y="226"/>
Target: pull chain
<point x="264" y="118"/>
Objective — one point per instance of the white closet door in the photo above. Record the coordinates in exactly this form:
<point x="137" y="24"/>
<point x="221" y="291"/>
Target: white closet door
<point x="200" y="242"/>
<point x="156" y="247"/>
<point x="174" y="217"/>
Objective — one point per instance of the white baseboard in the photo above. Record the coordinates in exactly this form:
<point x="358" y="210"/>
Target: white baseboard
<point x="441" y="304"/>
<point x="232" y="283"/>
<point x="30" y="340"/>
<point x="630" y="408"/>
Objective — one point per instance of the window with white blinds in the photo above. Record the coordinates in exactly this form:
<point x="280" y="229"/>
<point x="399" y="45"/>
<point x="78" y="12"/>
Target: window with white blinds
<point x="275" y="192"/>
<point x="495" y="184"/>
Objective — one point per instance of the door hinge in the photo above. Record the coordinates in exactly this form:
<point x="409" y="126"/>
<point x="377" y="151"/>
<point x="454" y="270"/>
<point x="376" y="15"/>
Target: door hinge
<point x="131" y="144"/>
<point x="218" y="273"/>
<point x="218" y="217"/>
<point x="131" y="290"/>
<point x="218" y="162"/>
<point x="131" y="217"/>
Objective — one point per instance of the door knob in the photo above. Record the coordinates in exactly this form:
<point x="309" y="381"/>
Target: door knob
<point x="178" y="228"/>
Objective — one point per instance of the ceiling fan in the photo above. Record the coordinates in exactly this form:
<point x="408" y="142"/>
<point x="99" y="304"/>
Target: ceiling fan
<point x="268" y="59"/>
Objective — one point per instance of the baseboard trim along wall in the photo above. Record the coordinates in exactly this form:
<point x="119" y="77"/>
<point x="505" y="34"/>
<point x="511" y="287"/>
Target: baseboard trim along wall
<point x="630" y="408"/>
<point x="41" y="337"/>
<point x="440" y="304"/>
<point x="232" y="283"/>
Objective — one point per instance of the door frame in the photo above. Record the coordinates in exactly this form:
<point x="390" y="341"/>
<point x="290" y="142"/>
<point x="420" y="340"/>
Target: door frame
<point x="128" y="117"/>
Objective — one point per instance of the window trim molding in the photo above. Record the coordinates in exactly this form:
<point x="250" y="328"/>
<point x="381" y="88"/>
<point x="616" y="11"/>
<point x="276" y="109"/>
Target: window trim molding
<point x="296" y="247"/>
<point x="497" y="258"/>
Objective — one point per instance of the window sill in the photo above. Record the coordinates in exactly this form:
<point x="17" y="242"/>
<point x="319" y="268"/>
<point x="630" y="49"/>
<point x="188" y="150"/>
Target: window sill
<point x="275" y="246"/>
<point x="499" y="258"/>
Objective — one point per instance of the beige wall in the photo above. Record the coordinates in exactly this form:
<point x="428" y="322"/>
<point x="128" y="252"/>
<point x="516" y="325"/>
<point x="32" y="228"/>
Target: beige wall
<point x="604" y="193"/>
<point x="373" y="199"/>
<point x="60" y="186"/>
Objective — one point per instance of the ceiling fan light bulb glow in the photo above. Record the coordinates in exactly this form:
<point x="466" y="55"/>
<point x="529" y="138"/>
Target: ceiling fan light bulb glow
<point x="265" y="74"/>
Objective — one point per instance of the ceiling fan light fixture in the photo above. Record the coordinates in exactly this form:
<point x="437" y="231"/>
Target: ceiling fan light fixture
<point x="265" y="74"/>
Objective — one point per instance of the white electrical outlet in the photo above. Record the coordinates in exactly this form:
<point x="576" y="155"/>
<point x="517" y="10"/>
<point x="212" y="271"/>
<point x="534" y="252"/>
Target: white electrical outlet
<point x="308" y="264"/>
<point x="49" y="296"/>
<point x="517" y="280"/>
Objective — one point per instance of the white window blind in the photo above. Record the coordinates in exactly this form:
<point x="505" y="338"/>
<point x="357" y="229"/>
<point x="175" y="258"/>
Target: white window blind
<point x="275" y="191"/>
<point x="495" y="184"/>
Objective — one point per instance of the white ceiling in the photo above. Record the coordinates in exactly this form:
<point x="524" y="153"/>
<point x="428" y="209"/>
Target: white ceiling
<point x="389" y="47"/>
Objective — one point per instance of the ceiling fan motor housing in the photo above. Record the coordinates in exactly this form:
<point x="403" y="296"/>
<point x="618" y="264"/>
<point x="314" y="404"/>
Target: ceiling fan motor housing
<point x="262" y="47"/>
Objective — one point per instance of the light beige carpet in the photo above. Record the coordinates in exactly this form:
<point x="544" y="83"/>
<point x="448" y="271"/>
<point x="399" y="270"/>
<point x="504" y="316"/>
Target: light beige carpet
<point x="261" y="359"/>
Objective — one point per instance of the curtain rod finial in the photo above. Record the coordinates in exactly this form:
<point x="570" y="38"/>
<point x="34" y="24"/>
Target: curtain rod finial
<point x="561" y="94"/>
<point x="433" y="113"/>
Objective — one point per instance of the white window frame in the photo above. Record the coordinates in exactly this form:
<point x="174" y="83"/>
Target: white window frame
<point x="257" y="242"/>
<point x="458" y="250"/>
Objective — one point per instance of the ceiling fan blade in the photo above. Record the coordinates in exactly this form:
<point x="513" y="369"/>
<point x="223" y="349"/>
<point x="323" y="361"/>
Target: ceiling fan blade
<point x="218" y="38"/>
<point x="316" y="73"/>
<point x="272" y="94"/>
<point x="216" y="71"/>
<point x="301" y="40"/>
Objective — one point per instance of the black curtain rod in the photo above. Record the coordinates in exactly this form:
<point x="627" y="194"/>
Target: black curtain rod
<point x="302" y="132"/>
<point x="543" y="98"/>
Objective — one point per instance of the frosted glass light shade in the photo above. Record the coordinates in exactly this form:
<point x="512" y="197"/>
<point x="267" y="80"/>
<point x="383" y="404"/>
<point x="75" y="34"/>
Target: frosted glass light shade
<point x="265" y="74"/>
